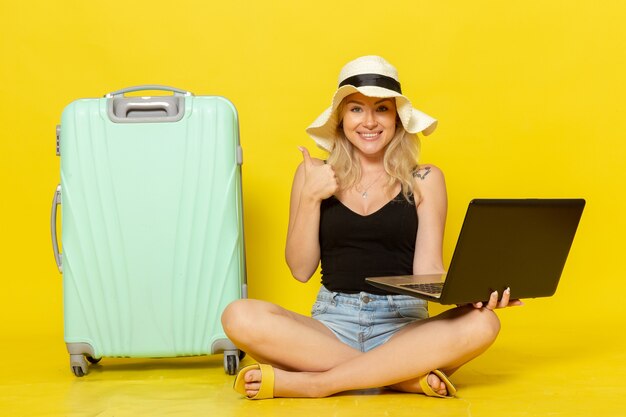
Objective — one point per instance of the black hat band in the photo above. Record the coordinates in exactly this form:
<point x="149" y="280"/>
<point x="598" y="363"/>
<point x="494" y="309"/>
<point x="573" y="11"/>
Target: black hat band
<point x="377" y="80"/>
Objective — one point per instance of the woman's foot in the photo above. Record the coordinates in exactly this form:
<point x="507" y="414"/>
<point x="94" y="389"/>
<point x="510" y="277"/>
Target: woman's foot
<point x="261" y="389"/>
<point x="292" y="384"/>
<point x="437" y="384"/>
<point x="413" y="385"/>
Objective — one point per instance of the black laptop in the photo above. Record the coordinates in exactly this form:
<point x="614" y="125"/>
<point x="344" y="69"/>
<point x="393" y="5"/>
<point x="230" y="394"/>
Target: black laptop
<point x="520" y="244"/>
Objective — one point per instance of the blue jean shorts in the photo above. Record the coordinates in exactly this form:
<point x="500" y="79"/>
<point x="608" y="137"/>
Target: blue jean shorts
<point x="365" y="321"/>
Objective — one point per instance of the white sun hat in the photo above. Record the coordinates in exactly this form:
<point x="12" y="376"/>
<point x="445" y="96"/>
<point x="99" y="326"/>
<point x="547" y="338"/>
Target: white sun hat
<point x="371" y="76"/>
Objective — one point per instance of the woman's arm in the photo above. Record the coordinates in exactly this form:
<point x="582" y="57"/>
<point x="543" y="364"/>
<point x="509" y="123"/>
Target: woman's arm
<point x="313" y="182"/>
<point x="432" y="209"/>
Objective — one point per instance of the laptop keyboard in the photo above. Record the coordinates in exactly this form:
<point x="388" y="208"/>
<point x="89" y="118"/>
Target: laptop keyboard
<point x="431" y="288"/>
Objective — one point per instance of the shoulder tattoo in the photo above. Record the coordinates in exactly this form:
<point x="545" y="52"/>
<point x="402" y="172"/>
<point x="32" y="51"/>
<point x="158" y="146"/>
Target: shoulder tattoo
<point x="421" y="173"/>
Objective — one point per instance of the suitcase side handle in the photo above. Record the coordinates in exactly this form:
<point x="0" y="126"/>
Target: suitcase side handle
<point x="176" y="91"/>
<point x="56" y="200"/>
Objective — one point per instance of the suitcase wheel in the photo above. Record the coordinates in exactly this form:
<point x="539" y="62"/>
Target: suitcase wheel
<point x="78" y="365"/>
<point x="231" y="361"/>
<point x="78" y="371"/>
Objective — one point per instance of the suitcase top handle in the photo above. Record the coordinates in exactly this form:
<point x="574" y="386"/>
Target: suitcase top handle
<point x="159" y="109"/>
<point x="176" y="91"/>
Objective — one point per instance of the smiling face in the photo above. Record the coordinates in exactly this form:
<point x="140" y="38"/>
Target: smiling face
<point x="369" y="123"/>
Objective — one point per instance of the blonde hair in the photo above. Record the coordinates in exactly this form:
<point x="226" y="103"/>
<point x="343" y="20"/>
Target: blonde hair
<point x="400" y="160"/>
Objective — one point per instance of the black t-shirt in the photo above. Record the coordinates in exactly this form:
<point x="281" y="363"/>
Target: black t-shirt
<point x="354" y="247"/>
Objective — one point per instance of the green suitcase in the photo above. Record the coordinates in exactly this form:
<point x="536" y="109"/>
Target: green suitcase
<point x="152" y="225"/>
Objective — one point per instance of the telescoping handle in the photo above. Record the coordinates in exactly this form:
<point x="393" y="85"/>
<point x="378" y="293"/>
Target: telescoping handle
<point x="56" y="200"/>
<point x="176" y="91"/>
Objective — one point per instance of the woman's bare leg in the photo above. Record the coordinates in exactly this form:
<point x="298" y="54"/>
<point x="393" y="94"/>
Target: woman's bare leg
<point x="282" y="338"/>
<point x="412" y="385"/>
<point x="290" y="341"/>
<point x="443" y="342"/>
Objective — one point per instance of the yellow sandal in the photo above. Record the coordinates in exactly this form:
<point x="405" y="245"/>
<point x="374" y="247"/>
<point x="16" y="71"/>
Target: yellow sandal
<point x="428" y="390"/>
<point x="267" y="382"/>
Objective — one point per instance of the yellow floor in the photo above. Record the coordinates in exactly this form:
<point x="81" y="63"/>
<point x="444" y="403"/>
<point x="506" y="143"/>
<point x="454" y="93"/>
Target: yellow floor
<point x="551" y="370"/>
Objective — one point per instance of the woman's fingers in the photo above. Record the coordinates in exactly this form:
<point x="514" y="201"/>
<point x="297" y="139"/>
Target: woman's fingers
<point x="320" y="179"/>
<point x="505" y="301"/>
<point x="505" y="298"/>
<point x="306" y="157"/>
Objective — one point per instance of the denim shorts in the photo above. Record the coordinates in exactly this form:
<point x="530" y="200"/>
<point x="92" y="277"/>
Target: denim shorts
<point x="365" y="321"/>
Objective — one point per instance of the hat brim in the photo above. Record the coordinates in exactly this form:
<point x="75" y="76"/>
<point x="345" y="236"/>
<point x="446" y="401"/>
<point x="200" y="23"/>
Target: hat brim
<point x="324" y="129"/>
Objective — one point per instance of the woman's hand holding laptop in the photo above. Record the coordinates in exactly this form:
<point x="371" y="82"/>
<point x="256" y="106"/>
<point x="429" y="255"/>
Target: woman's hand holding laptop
<point x="493" y="302"/>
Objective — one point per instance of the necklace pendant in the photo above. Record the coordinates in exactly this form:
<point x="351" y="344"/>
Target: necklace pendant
<point x="364" y="195"/>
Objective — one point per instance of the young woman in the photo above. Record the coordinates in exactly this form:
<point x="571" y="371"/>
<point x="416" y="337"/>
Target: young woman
<point x="368" y="210"/>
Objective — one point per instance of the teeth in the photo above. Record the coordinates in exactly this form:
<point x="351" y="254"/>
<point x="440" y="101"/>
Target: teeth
<point x="369" y="135"/>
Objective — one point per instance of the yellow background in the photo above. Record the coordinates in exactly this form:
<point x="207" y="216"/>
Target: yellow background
<point x="530" y="98"/>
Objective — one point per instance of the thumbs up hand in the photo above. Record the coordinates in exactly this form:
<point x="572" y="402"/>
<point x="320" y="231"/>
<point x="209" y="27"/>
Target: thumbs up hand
<point x="320" y="181"/>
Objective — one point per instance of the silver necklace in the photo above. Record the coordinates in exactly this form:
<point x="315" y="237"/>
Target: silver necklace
<point x="363" y="192"/>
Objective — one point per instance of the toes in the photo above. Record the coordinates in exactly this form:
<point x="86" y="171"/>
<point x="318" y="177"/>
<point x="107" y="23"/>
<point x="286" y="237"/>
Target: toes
<point x="437" y="385"/>
<point x="442" y="389"/>
<point x="434" y="382"/>
<point x="253" y="386"/>
<point x="253" y="382"/>
<point x="253" y="376"/>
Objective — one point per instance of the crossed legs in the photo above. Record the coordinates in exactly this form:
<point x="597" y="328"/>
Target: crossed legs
<point x="310" y="361"/>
